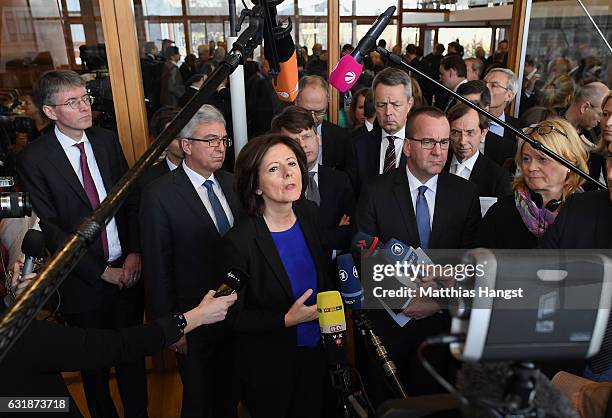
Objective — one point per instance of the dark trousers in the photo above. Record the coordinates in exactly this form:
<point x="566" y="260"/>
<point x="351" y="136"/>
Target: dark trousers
<point x="299" y="396"/>
<point x="207" y="374"/>
<point x="126" y="310"/>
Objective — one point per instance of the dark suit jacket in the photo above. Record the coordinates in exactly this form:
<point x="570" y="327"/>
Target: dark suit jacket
<point x="336" y="142"/>
<point x="503" y="227"/>
<point x="189" y="93"/>
<point x="337" y="199"/>
<point x="385" y="210"/>
<point x="152" y="173"/>
<point x="268" y="349"/>
<point x="180" y="241"/>
<point x="500" y="149"/>
<point x="172" y="85"/>
<point x="364" y="161"/>
<point x="60" y="201"/>
<point x="491" y="179"/>
<point x="597" y="165"/>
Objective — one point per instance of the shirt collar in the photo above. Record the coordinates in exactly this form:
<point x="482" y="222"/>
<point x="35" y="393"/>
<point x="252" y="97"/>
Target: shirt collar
<point x="314" y="169"/>
<point x="369" y="125"/>
<point x="469" y="163"/>
<point x="502" y="118"/>
<point x="196" y="179"/>
<point x="67" y="142"/>
<point x="460" y="83"/>
<point x="170" y="164"/>
<point x="401" y="134"/>
<point x="415" y="183"/>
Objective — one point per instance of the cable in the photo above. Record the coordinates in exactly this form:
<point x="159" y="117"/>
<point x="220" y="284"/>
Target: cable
<point x="441" y="340"/>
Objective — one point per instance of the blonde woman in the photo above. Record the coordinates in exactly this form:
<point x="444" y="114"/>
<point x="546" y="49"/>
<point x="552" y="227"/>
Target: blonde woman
<point x="597" y="157"/>
<point x="520" y="220"/>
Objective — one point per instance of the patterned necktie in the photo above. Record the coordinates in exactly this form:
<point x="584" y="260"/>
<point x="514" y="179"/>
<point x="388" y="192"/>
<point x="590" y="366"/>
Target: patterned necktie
<point x="91" y="192"/>
<point x="422" y="218"/>
<point x="312" y="192"/>
<point x="389" y="155"/>
<point x="222" y="222"/>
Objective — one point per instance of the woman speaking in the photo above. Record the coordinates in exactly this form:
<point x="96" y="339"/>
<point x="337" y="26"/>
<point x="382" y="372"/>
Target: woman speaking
<point x="280" y="361"/>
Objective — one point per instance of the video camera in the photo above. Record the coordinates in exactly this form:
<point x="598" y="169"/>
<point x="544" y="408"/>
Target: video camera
<point x="13" y="204"/>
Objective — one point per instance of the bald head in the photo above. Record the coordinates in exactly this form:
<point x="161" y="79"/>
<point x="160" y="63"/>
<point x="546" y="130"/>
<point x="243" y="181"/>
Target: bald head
<point x="585" y="111"/>
<point x="593" y="93"/>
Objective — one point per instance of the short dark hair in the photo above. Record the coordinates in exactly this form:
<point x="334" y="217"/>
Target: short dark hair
<point x="247" y="169"/>
<point x="194" y="79"/>
<point x="347" y="48"/>
<point x="476" y="87"/>
<point x="434" y="112"/>
<point x="411" y="49"/>
<point x="53" y="82"/>
<point x="369" y="110"/>
<point x="294" y="119"/>
<point x="460" y="110"/>
<point x="162" y="117"/>
<point x="362" y="92"/>
<point x="454" y="62"/>
<point x="382" y="43"/>
<point x="440" y="49"/>
<point x="170" y="51"/>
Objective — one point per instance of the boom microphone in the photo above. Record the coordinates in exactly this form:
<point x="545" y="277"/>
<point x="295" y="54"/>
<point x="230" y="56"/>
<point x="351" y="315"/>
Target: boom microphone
<point x="346" y="73"/>
<point x="234" y="281"/>
<point x="32" y="247"/>
<point x="333" y="326"/>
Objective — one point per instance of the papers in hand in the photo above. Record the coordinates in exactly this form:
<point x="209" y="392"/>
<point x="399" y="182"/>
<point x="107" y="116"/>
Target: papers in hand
<point x="486" y="203"/>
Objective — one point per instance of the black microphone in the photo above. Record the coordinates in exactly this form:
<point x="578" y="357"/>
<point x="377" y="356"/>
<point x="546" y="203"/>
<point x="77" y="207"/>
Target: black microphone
<point x="234" y="281"/>
<point x="364" y="244"/>
<point x="32" y="247"/>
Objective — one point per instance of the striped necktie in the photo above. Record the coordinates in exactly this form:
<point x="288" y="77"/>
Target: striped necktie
<point x="390" y="156"/>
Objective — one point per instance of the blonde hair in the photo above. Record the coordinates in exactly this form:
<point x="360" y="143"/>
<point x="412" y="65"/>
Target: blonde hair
<point x="558" y="93"/>
<point x="570" y="148"/>
<point x="602" y="146"/>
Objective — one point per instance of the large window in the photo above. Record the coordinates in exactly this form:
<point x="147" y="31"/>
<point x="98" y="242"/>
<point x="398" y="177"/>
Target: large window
<point x="470" y="38"/>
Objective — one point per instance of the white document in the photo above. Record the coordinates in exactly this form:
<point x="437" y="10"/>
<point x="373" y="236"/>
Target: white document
<point x="486" y="203"/>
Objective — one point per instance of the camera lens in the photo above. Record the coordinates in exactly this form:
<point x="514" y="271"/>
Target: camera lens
<point x="15" y="205"/>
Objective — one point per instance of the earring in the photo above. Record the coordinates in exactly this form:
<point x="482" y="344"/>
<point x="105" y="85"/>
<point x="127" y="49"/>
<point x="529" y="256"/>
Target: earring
<point x="258" y="192"/>
<point x="569" y="171"/>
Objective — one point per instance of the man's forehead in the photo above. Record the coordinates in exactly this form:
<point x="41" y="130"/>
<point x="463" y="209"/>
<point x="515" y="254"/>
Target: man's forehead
<point x="430" y="127"/>
<point x="71" y="92"/>
<point x="205" y="129"/>
<point x="496" y="76"/>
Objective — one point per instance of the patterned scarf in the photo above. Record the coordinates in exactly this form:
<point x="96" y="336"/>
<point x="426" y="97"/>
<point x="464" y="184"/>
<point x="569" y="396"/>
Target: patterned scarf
<point x="535" y="219"/>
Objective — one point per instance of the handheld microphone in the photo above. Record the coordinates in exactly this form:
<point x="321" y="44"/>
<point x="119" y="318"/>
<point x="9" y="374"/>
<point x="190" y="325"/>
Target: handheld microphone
<point x="333" y="326"/>
<point x="32" y="247"/>
<point x="365" y="243"/>
<point x="234" y="281"/>
<point x="350" y="286"/>
<point x="346" y="73"/>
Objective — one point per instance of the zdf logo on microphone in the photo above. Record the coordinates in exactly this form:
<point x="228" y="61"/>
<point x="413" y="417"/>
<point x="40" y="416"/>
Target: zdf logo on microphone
<point x="349" y="77"/>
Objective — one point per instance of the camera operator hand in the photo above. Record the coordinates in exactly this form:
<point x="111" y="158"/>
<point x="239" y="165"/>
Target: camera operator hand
<point x="20" y="284"/>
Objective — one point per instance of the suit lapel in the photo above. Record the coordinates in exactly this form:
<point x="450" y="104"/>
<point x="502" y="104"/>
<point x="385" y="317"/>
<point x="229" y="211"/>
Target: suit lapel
<point x="186" y="191"/>
<point x="374" y="150"/>
<point x="312" y="240"/>
<point x="228" y="192"/>
<point x="102" y="160"/>
<point x="325" y="143"/>
<point x="477" y="171"/>
<point x="403" y="199"/>
<point x="60" y="161"/>
<point x="268" y="249"/>
<point x="441" y="209"/>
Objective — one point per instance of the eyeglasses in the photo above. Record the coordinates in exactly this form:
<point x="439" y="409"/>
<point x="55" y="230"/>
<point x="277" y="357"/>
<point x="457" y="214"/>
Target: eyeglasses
<point x="214" y="142"/>
<point x="495" y="84"/>
<point x="76" y="103"/>
<point x="543" y="130"/>
<point x="318" y="113"/>
<point x="430" y="143"/>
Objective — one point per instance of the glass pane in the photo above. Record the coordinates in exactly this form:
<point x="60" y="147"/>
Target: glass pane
<point x="347" y="7"/>
<point x="162" y="7"/>
<point x="470" y="38"/>
<point x="313" y="33"/>
<point x="78" y="39"/>
<point x="409" y="36"/>
<point x="428" y="41"/>
<point x="312" y="8"/>
<point x="389" y="34"/>
<point x="211" y="7"/>
<point x="44" y="8"/>
<point x="374" y="8"/>
<point x="172" y="31"/>
<point x="346" y="33"/>
<point x="74" y="7"/>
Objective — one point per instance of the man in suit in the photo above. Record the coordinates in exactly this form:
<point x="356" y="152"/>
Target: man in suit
<point x="468" y="129"/>
<point x="585" y="111"/>
<point x="184" y="215"/>
<point x="330" y="189"/>
<point x="172" y="84"/>
<point x="193" y="85"/>
<point x="585" y="222"/>
<point x="421" y="206"/>
<point x="68" y="173"/>
<point x="379" y="150"/>
<point x="334" y="141"/>
<point x="453" y="73"/>
<point x="474" y="68"/>
<point x="500" y="145"/>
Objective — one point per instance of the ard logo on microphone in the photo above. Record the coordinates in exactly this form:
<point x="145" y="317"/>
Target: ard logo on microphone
<point x="343" y="275"/>
<point x="349" y="77"/>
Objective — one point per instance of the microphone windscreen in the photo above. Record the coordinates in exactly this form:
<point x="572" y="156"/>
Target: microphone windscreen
<point x="350" y="285"/>
<point x="285" y="48"/>
<point x="395" y="250"/>
<point x="365" y="243"/>
<point x="331" y="312"/>
<point x="234" y="281"/>
<point x="286" y="83"/>
<point x="33" y="243"/>
<point x="345" y="74"/>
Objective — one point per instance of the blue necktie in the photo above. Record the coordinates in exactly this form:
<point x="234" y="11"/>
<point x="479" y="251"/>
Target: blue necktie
<point x="422" y="218"/>
<point x="222" y="223"/>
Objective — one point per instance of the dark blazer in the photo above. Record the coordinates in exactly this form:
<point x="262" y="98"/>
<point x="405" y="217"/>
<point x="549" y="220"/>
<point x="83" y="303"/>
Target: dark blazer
<point x="172" y="85"/>
<point x="503" y="227"/>
<point x="336" y="142"/>
<point x="597" y="165"/>
<point x="180" y="241"/>
<point x="266" y="348"/>
<point x="189" y="93"/>
<point x="385" y="210"/>
<point x="60" y="202"/>
<point x="152" y="173"/>
<point x="490" y="178"/>
<point x="364" y="161"/>
<point x="337" y="199"/>
<point x="500" y="149"/>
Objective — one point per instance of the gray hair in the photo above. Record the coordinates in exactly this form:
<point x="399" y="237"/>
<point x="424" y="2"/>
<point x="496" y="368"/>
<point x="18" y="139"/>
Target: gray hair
<point x="207" y="114"/>
<point x="393" y="77"/>
<point x="512" y="83"/>
<point x="53" y="82"/>
<point x="312" y="80"/>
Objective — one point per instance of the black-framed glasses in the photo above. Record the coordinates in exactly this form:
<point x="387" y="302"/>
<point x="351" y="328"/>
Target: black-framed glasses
<point x="76" y="102"/>
<point x="215" y="141"/>
<point x="430" y="143"/>
<point x="543" y="129"/>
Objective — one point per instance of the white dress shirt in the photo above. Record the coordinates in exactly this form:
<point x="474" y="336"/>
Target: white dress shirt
<point x="315" y="170"/>
<point x="198" y="184"/>
<point x="430" y="194"/>
<point x="465" y="168"/>
<point x="398" y="142"/>
<point x="171" y="165"/>
<point x="319" y="130"/>
<point x="74" y="156"/>
<point x="369" y="125"/>
<point x="498" y="129"/>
